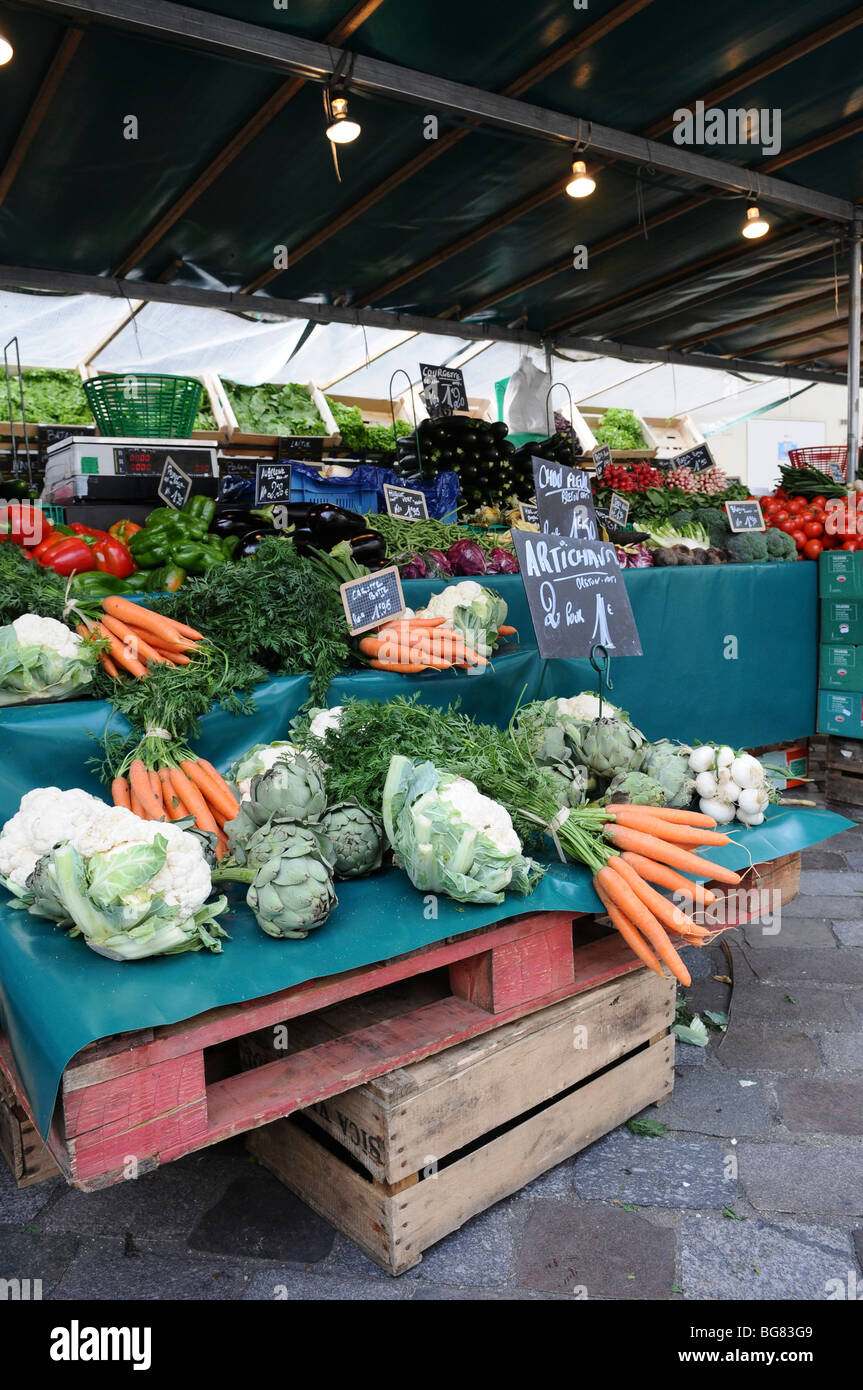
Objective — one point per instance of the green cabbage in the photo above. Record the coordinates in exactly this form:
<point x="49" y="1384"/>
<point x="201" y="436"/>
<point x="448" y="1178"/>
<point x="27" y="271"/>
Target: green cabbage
<point x="36" y="673"/>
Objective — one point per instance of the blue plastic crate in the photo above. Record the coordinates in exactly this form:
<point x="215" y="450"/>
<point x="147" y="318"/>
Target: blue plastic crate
<point x="338" y="492"/>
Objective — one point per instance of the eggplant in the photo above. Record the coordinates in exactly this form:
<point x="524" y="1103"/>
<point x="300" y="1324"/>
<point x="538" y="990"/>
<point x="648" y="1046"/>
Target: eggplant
<point x="367" y="547"/>
<point x="251" y="540"/>
<point x="331" y="524"/>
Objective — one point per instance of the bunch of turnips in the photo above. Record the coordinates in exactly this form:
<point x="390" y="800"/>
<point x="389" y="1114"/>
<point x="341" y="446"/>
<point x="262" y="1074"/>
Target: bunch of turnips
<point x="730" y="785"/>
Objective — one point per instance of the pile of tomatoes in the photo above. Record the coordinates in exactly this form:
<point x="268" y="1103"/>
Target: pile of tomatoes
<point x="806" y="520"/>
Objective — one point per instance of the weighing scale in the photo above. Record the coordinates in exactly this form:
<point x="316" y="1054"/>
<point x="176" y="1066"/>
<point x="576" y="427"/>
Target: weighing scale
<point x="101" y="469"/>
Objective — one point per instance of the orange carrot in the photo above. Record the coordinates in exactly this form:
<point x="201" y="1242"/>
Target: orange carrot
<point x="134" y="642"/>
<point x="641" y="917"/>
<point x="505" y="630"/>
<point x="669" y="916"/>
<point x="133" y="613"/>
<point x="218" y="800"/>
<point x="173" y="805"/>
<point x="626" y="813"/>
<point x="401" y="668"/>
<point x="156" y="789"/>
<point x="119" y="655"/>
<point x="109" y="667"/>
<point x="139" y="782"/>
<point x="120" y="793"/>
<point x="668" y="878"/>
<point x="136" y="808"/>
<point x="634" y="941"/>
<point x="688" y="835"/>
<point x="191" y="797"/>
<point x="667" y="853"/>
<point x="398" y="624"/>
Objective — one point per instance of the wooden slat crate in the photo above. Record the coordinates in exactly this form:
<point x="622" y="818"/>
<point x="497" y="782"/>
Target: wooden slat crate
<point x="132" y="1102"/>
<point x="21" y="1143"/>
<point x="411" y="1156"/>
<point x="844" y="776"/>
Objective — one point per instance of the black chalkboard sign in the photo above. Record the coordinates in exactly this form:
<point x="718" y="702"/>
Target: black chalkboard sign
<point x="174" y="485"/>
<point x="697" y="458"/>
<point x="373" y="599"/>
<point x="564" y="500"/>
<point x="46" y="435"/>
<point x="405" y="502"/>
<point x="618" y="509"/>
<point x="576" y="596"/>
<point x="529" y="513"/>
<point x="443" y="390"/>
<point x="744" y="516"/>
<point x="272" y="483"/>
<point x="836" y="474"/>
<point x="301" y="446"/>
<point x="601" y="459"/>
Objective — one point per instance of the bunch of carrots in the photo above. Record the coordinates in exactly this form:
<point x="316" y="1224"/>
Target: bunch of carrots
<point x="163" y="782"/>
<point x="137" y="637"/>
<point x="411" y="645"/>
<point x="652" y="845"/>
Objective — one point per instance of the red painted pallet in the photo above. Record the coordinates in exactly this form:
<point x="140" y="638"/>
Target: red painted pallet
<point x="130" y="1103"/>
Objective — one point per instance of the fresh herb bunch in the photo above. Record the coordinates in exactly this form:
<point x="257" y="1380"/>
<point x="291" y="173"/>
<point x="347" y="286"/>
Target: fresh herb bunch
<point x="26" y="587"/>
<point x="174" y="698"/>
<point x="272" y="610"/>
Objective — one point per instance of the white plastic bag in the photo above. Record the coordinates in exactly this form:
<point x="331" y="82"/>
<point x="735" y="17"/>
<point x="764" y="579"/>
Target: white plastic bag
<point x="524" y="405"/>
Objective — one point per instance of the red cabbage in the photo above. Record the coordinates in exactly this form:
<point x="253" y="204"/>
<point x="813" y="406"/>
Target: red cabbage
<point x="413" y="566"/>
<point x="502" y="562"/>
<point x="437" y="564"/>
<point x="466" y="557"/>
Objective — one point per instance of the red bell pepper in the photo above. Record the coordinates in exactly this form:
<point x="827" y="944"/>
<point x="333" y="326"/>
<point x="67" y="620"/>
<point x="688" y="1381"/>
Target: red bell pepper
<point x="113" y="557"/>
<point x="70" y="556"/>
<point x="122" y="530"/>
<point x="24" y="524"/>
<point x="87" y="533"/>
<point x="39" y="551"/>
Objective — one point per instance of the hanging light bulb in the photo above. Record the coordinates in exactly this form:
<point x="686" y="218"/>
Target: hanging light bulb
<point x="581" y="185"/>
<point x="342" y="130"/>
<point x="755" y="225"/>
<point x="6" y="50"/>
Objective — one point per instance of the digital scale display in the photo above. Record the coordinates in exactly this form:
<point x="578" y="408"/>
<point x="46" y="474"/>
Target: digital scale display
<point x="133" y="461"/>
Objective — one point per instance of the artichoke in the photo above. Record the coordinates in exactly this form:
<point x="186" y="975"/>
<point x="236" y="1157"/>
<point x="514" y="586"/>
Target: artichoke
<point x="612" y="746"/>
<point x="290" y="790"/>
<point x="290" y="881"/>
<point x="637" y="788"/>
<point x="357" y="838"/>
<point x="668" y="764"/>
<point x="279" y="836"/>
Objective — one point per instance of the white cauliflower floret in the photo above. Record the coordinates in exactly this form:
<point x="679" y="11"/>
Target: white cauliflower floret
<point x="33" y="631"/>
<point x="488" y="816"/>
<point x="325" y="719"/>
<point x="45" y="817"/>
<point x="462" y="595"/>
<point x="584" y="706"/>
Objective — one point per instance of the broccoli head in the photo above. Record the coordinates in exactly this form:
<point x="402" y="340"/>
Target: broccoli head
<point x="716" y="524"/>
<point x="780" y="546"/>
<point x="748" y="547"/>
<point x="681" y="518"/>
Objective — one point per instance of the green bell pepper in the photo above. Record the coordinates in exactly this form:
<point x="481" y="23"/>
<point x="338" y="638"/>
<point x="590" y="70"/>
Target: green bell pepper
<point x="94" y="584"/>
<point x="202" y="508"/>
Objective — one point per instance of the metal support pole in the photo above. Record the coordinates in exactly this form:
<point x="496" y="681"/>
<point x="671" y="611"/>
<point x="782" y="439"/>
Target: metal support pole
<point x="854" y="354"/>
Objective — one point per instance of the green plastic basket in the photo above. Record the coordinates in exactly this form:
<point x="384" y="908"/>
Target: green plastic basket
<point x="144" y="405"/>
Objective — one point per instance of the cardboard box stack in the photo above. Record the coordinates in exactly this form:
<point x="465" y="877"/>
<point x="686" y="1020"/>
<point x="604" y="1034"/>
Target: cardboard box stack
<point x="840" y="694"/>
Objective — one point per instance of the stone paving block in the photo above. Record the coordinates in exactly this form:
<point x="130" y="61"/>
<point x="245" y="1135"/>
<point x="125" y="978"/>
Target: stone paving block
<point x="827" y="883"/>
<point x="843" y="1051"/>
<point x="610" y="1252"/>
<point x="819" y="858"/>
<point x="708" y="994"/>
<point x="758" y="1259"/>
<point x="848" y="933"/>
<point x="96" y="1274"/>
<point x="854" y="859"/>
<point x="798" y="1004"/>
<point x="802" y="1179"/>
<point x="168" y="1201"/>
<point x="291" y="1285"/>
<point x="802" y="933"/>
<point x="752" y="1048"/>
<point x="24" y="1256"/>
<point x="259" y="1217"/>
<point x="821" y="1107"/>
<point x="480" y="1253"/>
<point x="688" y="1055"/>
<point x="21" y="1206"/>
<point x="557" y="1182"/>
<point x="857" y="1238"/>
<point x="829" y="966"/>
<point x="430" y="1294"/>
<point x="661" y="1172"/>
<point x="703" y="962"/>
<point x="824" y="905"/>
<point x="711" y="1101"/>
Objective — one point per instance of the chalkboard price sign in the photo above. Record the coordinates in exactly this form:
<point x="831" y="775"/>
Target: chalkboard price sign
<point x="443" y="390"/>
<point x="272" y="483"/>
<point x="836" y="474"/>
<point x="301" y="446"/>
<point x="697" y="458"/>
<point x="576" y="596"/>
<point x="373" y="599"/>
<point x="601" y="459"/>
<point x="564" y="500"/>
<point x="618" y="509"/>
<point x="405" y="502"/>
<point x="174" y="485"/>
<point x="529" y="513"/>
<point x="744" y="516"/>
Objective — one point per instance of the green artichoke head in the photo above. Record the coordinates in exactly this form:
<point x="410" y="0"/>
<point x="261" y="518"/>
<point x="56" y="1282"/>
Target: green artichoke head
<point x="292" y="789"/>
<point x="612" y="746"/>
<point x="281" y="836"/>
<point x="293" y="894"/>
<point x="357" y="837"/>
<point x="668" y="764"/>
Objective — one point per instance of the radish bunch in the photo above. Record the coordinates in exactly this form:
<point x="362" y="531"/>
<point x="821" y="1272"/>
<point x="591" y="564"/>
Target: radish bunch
<point x="730" y="784"/>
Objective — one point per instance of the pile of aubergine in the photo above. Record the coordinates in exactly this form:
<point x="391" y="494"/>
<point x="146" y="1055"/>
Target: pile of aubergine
<point x="477" y="451"/>
<point x="313" y="526"/>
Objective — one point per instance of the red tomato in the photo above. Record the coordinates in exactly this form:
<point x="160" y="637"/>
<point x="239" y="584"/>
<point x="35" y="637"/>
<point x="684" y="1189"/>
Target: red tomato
<point x="780" y="516"/>
<point x="819" y="501"/>
<point x="800" y="538"/>
<point x="790" y="525"/>
<point x="797" y="505"/>
<point x="813" y="529"/>
<point x="829" y="542"/>
<point x="849" y="545"/>
<point x="812" y="549"/>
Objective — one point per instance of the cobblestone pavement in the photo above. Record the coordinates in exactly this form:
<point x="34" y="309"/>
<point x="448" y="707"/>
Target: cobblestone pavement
<point x="755" y="1191"/>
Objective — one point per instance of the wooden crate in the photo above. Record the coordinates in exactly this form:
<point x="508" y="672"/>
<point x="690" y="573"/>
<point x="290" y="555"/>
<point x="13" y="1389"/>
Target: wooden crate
<point x="844" y="775"/>
<point x="673" y="435"/>
<point x="410" y="1157"/>
<point x="21" y="1144"/>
